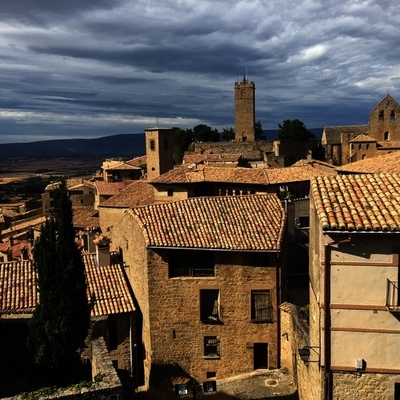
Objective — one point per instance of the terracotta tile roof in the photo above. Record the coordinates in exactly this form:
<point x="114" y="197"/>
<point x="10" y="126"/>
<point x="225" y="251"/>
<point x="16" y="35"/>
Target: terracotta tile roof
<point x="387" y="163"/>
<point x="358" y="202"/>
<point x="110" y="188"/>
<point x="79" y="186"/>
<point x="136" y="194"/>
<point x="363" y="139"/>
<point x="224" y="157"/>
<point x="247" y="223"/>
<point x="390" y="144"/>
<point x="122" y="166"/>
<point x="137" y="161"/>
<point x="107" y="285"/>
<point x="194" y="158"/>
<point x="257" y="176"/>
<point x="16" y="248"/>
<point x="18" y="290"/>
<point x="109" y="288"/>
<point x="294" y="174"/>
<point x="85" y="217"/>
<point x="208" y="156"/>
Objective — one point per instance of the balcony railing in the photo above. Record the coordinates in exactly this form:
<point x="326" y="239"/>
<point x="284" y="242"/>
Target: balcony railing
<point x="392" y="296"/>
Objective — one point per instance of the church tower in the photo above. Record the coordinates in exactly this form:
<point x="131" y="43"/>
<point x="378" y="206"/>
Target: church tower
<point x="159" y="151"/>
<point x="244" y="111"/>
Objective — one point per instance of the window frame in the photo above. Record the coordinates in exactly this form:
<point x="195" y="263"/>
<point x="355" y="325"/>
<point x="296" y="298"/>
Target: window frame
<point x="256" y="312"/>
<point x="217" y="345"/>
<point x="210" y="306"/>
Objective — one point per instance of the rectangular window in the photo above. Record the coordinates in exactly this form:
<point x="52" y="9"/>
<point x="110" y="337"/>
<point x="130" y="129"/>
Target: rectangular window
<point x="191" y="264"/>
<point x="112" y="335"/>
<point x="170" y="192"/>
<point x="210" y="309"/>
<point x="152" y="144"/>
<point x="261" y="306"/>
<point x="381" y="116"/>
<point x="211" y="347"/>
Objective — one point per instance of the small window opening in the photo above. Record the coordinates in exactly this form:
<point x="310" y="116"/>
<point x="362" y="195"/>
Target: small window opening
<point x="211" y="347"/>
<point x="393" y="116"/>
<point x="381" y="116"/>
<point x="152" y="144"/>
<point x="386" y="136"/>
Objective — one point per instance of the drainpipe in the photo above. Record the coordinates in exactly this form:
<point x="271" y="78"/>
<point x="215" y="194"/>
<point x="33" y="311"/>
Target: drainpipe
<point x="327" y="317"/>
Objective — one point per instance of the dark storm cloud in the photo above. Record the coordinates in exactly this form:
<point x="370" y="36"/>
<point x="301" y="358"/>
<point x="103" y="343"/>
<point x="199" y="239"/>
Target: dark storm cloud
<point x="96" y="67"/>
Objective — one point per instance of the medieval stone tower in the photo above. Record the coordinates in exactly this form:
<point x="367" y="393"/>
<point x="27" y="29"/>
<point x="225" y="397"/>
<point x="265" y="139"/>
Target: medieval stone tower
<point x="159" y="151"/>
<point x="244" y="111"/>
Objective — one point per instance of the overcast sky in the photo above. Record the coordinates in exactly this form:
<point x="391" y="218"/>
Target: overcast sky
<point x="92" y="68"/>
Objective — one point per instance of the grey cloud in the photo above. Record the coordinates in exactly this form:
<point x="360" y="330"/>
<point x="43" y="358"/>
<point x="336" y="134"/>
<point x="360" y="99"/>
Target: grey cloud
<point x="95" y="67"/>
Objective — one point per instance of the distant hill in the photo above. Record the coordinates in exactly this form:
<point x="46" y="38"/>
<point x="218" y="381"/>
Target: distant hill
<point x="124" y="146"/>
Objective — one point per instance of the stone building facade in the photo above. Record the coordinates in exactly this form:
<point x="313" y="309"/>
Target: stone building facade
<point x="343" y="144"/>
<point x="384" y="120"/>
<point x="354" y="270"/>
<point x="207" y="290"/>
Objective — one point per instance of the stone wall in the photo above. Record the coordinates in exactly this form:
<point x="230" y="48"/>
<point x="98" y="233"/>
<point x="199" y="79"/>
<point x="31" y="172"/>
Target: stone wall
<point x="248" y="150"/>
<point x="294" y="334"/>
<point x="277" y="153"/>
<point x="105" y="383"/>
<point x="108" y="216"/>
<point x="352" y="385"/>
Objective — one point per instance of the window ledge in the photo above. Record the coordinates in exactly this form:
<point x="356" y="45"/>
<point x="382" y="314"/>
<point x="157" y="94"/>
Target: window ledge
<point x="211" y="322"/>
<point x="216" y="357"/>
<point x="261" y="321"/>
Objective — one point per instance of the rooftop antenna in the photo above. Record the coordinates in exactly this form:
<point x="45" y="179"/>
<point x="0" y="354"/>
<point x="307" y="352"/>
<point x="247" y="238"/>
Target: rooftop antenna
<point x="246" y="73"/>
<point x="157" y="119"/>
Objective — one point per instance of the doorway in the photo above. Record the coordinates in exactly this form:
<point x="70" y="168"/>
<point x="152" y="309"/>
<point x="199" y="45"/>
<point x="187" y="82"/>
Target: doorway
<point x="260" y="355"/>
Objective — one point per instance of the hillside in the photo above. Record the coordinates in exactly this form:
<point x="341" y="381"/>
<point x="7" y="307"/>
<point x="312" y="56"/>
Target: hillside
<point x="125" y="146"/>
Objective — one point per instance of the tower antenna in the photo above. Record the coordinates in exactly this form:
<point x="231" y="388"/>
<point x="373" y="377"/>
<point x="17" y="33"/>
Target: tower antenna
<point x="157" y="119"/>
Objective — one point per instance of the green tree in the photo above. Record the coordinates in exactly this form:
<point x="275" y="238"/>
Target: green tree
<point x="60" y="322"/>
<point x="294" y="130"/>
<point x="181" y="142"/>
<point x="258" y="131"/>
<point x="228" y="133"/>
<point x="204" y="133"/>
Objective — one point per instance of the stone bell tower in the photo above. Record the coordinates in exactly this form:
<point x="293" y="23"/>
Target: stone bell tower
<point x="159" y="151"/>
<point x="244" y="111"/>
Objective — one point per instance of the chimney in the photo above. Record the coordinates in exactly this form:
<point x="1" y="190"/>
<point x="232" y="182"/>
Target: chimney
<point x="103" y="251"/>
<point x="89" y="241"/>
